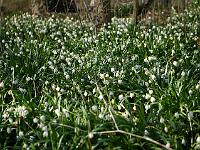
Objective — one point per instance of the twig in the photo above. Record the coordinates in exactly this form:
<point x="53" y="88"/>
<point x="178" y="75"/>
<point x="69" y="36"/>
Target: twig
<point x="134" y="135"/>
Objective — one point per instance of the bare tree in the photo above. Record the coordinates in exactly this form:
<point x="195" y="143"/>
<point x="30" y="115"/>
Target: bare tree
<point x="135" y="10"/>
<point x="1" y="10"/>
<point x="141" y="9"/>
<point x="100" y="12"/>
<point x="106" y="11"/>
<point x="38" y="7"/>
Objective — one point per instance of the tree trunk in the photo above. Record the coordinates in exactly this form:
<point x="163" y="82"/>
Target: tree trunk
<point x="1" y="11"/>
<point x="39" y="7"/>
<point x="106" y="11"/>
<point x="135" y="10"/>
<point x="100" y="12"/>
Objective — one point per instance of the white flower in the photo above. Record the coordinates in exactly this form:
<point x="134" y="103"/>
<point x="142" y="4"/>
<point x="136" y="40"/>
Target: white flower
<point x="146" y="133"/>
<point x="5" y="115"/>
<point x="102" y="76"/>
<point x="57" y="112"/>
<point x="111" y="93"/>
<point x="153" y="77"/>
<point x="21" y="134"/>
<point x="94" y="108"/>
<point x="131" y="95"/>
<point x="22" y="90"/>
<point x="101" y="116"/>
<point x="42" y="118"/>
<point x="10" y="120"/>
<point x="146" y="60"/>
<point x="67" y="77"/>
<point x="119" y="81"/>
<point x="8" y="130"/>
<point x="197" y="86"/>
<point x="162" y="120"/>
<point x="176" y="115"/>
<point x="147" y="107"/>
<point x="121" y="97"/>
<point x="166" y="129"/>
<point x="28" y="79"/>
<point x="25" y="146"/>
<point x="198" y="139"/>
<point x="65" y="112"/>
<point x="85" y="93"/>
<point x="151" y="92"/>
<point x="183" y="73"/>
<point x="190" y="115"/>
<point x="53" y="86"/>
<point x="15" y="82"/>
<point x="190" y="92"/>
<point x="168" y="145"/>
<point x="45" y="133"/>
<point x="35" y="120"/>
<point x="1" y="84"/>
<point x="91" y="135"/>
<point x="183" y="141"/>
<point x="152" y="99"/>
<point x="175" y="63"/>
<point x="100" y="96"/>
<point x="147" y="96"/>
<point x="112" y="69"/>
<point x="22" y="112"/>
<point x="58" y="88"/>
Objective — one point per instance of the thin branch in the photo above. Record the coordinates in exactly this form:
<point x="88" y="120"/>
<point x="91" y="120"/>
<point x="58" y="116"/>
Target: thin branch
<point x="133" y="135"/>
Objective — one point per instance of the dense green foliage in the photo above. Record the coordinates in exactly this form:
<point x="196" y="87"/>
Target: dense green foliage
<point x="64" y="87"/>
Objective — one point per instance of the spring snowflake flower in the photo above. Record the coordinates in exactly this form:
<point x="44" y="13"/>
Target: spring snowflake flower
<point x="85" y="93"/>
<point x="153" y="77"/>
<point x="58" y="88"/>
<point x="8" y="130"/>
<point x="121" y="97"/>
<point x="65" y="112"/>
<point x="102" y="76"/>
<point x="35" y="120"/>
<point x="1" y="84"/>
<point x="168" y="145"/>
<point x="21" y="134"/>
<point x="100" y="96"/>
<point x="111" y="93"/>
<point x="131" y="95"/>
<point x="190" y="92"/>
<point x="197" y="86"/>
<point x="42" y="118"/>
<point x="147" y="107"/>
<point x="45" y="133"/>
<point x="198" y="140"/>
<point x="176" y="115"/>
<point x="151" y="92"/>
<point x="67" y="77"/>
<point x="175" y="63"/>
<point x="147" y="96"/>
<point x="146" y="133"/>
<point x="101" y="115"/>
<point x="166" y="129"/>
<point x="119" y="81"/>
<point x="5" y="115"/>
<point x="91" y="135"/>
<point x="94" y="108"/>
<point x="112" y="69"/>
<point x="21" y="111"/>
<point x="183" y="141"/>
<point x="57" y="112"/>
<point x="152" y="99"/>
<point x="162" y="120"/>
<point x="190" y="115"/>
